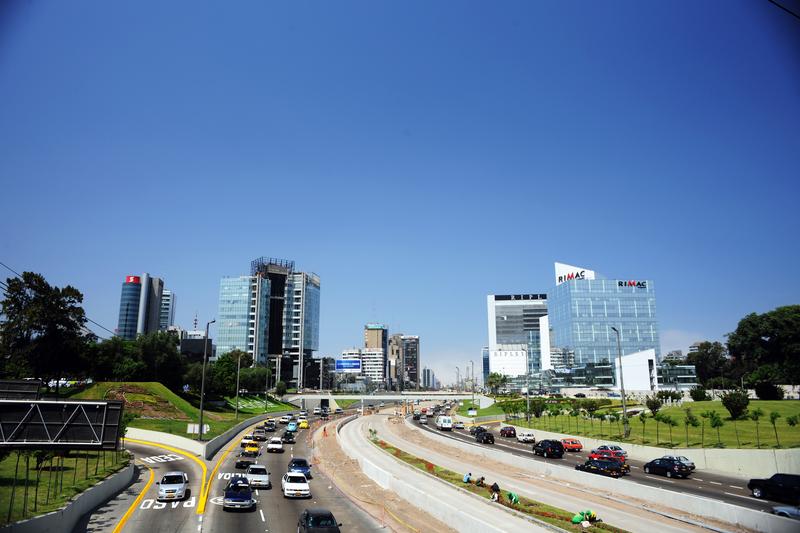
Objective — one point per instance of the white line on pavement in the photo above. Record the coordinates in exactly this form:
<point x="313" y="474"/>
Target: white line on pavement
<point x="697" y="479"/>
<point x="261" y="512"/>
<point x="740" y="496"/>
<point x="715" y="482"/>
<point x="735" y="487"/>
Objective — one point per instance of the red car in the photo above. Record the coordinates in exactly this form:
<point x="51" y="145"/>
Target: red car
<point x="572" y="445"/>
<point x="608" y="455"/>
<point x="508" y="431"/>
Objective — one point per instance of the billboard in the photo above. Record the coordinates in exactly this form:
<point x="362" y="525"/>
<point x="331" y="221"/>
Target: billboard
<point x="348" y="366"/>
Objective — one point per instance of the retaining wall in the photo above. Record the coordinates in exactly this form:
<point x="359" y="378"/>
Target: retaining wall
<point x="696" y="505"/>
<point x="193" y="446"/>
<point x="743" y="463"/>
<point x="66" y="518"/>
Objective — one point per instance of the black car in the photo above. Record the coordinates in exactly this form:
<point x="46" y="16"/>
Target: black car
<point x="318" y="520"/>
<point x="243" y="462"/>
<point x="667" y="467"/>
<point x="549" y="448"/>
<point x="270" y="426"/>
<point x="416" y="416"/>
<point x="605" y="468"/>
<point x="474" y="430"/>
<point x="288" y="437"/>
<point x="780" y="487"/>
<point x="484" y="437"/>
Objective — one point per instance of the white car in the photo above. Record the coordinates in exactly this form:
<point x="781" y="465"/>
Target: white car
<point x="173" y="486"/>
<point x="423" y="420"/>
<point x="258" y="477"/>
<point x="301" y="418"/>
<point x="285" y="419"/>
<point x="317" y="410"/>
<point x="303" y="413"/>
<point x="525" y="436"/>
<point x="275" y="445"/>
<point x="295" y="485"/>
<point x="458" y="425"/>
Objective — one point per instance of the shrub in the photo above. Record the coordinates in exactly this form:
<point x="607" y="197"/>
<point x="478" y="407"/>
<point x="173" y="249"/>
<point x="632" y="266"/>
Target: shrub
<point x="766" y="390"/>
<point x="736" y="403"/>
<point x="699" y="394"/>
<point x="654" y="404"/>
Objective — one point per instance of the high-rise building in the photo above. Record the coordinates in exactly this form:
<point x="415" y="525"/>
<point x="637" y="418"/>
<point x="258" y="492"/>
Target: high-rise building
<point x="674" y="356"/>
<point x="301" y="322"/>
<point x="376" y="337"/>
<point x="486" y="368"/>
<point x="394" y="362"/>
<point x="519" y="334"/>
<point x="410" y="354"/>
<point x="428" y="379"/>
<point x="167" y="310"/>
<point x="243" y="316"/>
<point x="139" y="306"/>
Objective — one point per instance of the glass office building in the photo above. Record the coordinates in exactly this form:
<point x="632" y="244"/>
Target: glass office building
<point x="583" y="311"/>
<point x="243" y="315"/>
<point x="129" y="307"/>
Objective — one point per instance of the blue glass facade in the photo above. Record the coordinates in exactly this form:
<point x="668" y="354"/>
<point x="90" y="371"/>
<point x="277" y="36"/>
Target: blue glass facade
<point x="311" y="317"/>
<point x="129" y="310"/>
<point x="485" y="358"/>
<point x="582" y="313"/>
<point x="236" y="317"/>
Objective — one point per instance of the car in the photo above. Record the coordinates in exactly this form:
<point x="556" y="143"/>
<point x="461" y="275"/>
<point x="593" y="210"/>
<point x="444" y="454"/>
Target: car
<point x="525" y="436"/>
<point x="287" y="437"/>
<point x="275" y="445"/>
<point x="474" y="430"/>
<point x="667" y="467"/>
<point x="780" y="487"/>
<point x="246" y="440"/>
<point x="338" y="411"/>
<point x="258" y="477"/>
<point x="788" y="511"/>
<point x="303" y="413"/>
<point x="597" y="466"/>
<point x="242" y="462"/>
<point x="291" y="426"/>
<point x="301" y="418"/>
<point x="508" y="431"/>
<point x="317" y="411"/>
<point x="458" y="425"/>
<point x="484" y="437"/>
<point x="423" y="420"/>
<point x="381" y="404"/>
<point x="317" y="521"/>
<point x="608" y="455"/>
<point x="416" y="416"/>
<point x="285" y="419"/>
<point x="572" y="445"/>
<point x="270" y="427"/>
<point x="295" y="485"/>
<point x="324" y="415"/>
<point x="580" y="395"/>
<point x="549" y="448"/>
<point x="251" y="450"/>
<point x="173" y="486"/>
<point x="303" y="424"/>
<point x="259" y="435"/>
<point x="238" y="495"/>
<point x="300" y="465"/>
<point x="613" y="448"/>
<point x="682" y="458"/>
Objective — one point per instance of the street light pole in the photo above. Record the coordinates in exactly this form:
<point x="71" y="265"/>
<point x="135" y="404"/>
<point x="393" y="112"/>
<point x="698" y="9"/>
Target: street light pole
<point x="528" y="387"/>
<point x="458" y="378"/>
<point x="622" y="386"/>
<point x="238" y="368"/>
<point x="203" y="381"/>
<point x="472" y="383"/>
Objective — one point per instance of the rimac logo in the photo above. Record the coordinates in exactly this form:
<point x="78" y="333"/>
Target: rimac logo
<point x="634" y="284"/>
<point x="572" y="275"/>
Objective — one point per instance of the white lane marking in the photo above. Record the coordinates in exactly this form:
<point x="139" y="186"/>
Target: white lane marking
<point x="740" y="496"/>
<point x="261" y="512"/>
<point x="735" y="487"/>
<point x="636" y="467"/>
<point x="715" y="483"/>
<point x="256" y="492"/>
<point x="667" y="481"/>
<point x="697" y="479"/>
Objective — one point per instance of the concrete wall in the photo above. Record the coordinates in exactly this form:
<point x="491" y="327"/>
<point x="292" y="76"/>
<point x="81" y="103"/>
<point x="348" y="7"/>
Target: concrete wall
<point x="66" y="518"/>
<point x="742" y="463"/>
<point x="193" y="446"/>
<point x="697" y="505"/>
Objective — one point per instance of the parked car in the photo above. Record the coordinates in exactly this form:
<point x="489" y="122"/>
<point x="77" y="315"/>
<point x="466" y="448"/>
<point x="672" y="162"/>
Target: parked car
<point x="173" y="486"/>
<point x="474" y="430"/>
<point x="572" y="445"/>
<point x="318" y="521"/>
<point x="605" y="468"/>
<point x="458" y="425"/>
<point x="685" y="460"/>
<point x="780" y="487"/>
<point x="549" y="448"/>
<point x="258" y="477"/>
<point x="508" y="431"/>
<point x="287" y="437"/>
<point x="484" y="437"/>
<point x="612" y="447"/>
<point x="275" y="445"/>
<point x="788" y="511"/>
<point x="298" y="464"/>
<point x="295" y="485"/>
<point x="667" y="467"/>
<point x="238" y="495"/>
<point x="525" y="436"/>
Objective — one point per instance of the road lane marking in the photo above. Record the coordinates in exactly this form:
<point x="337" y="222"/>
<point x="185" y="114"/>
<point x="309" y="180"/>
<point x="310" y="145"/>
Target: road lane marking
<point x="715" y="483"/>
<point x="261" y="512"/>
<point x="234" y="443"/>
<point x="740" y="496"/>
<point x="697" y="479"/>
<point x="735" y="487"/>
<point x="135" y="503"/>
<point x="201" y="507"/>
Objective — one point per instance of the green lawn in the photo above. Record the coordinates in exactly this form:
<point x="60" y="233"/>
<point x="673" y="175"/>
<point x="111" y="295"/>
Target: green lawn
<point x="659" y="434"/>
<point x="344" y="404"/>
<point x="56" y="483"/>
<point x="492" y="410"/>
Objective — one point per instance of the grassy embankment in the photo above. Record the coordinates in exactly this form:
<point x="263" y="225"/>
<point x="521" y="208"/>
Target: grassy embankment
<point x="159" y="409"/>
<point x="552" y="515"/>
<point x="658" y="434"/>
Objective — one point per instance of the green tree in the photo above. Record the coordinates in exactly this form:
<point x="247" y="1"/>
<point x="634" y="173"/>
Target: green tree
<point x="42" y="331"/>
<point x="643" y="420"/>
<point x="699" y="394"/>
<point x="538" y="406"/>
<point x="766" y="390"/>
<point x="670" y="423"/>
<point x="163" y="362"/>
<point x="793" y="420"/>
<point x="280" y="388"/>
<point x="653" y="403"/>
<point x="773" y="418"/>
<point x="716" y="423"/>
<point x="709" y="360"/>
<point x="689" y="419"/>
<point x="705" y="415"/>
<point x="495" y="381"/>
<point x="575" y="413"/>
<point x="772" y="338"/>
<point x="755" y="415"/>
<point x="736" y="403"/>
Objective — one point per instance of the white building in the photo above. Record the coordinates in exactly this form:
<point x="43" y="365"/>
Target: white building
<point x="166" y="316"/>
<point x="372" y="362"/>
<point x="519" y="333"/>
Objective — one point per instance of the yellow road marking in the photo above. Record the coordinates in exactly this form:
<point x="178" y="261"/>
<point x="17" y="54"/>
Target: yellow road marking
<point x="235" y="441"/>
<point x="201" y="505"/>
<point x="135" y="503"/>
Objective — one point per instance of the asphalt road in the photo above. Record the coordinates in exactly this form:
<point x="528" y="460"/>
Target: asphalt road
<point x="700" y="483"/>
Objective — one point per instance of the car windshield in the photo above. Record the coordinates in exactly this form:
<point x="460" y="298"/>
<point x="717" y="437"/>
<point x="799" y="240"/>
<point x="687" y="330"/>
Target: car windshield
<point x="295" y="479"/>
<point x="239" y="487"/>
<point x="258" y="471"/>
<point x="172" y="480"/>
<point x="321" y="521"/>
<point x="275" y="441"/>
<point x="299" y="462"/>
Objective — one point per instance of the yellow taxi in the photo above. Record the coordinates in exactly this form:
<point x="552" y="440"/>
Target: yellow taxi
<point x="246" y="440"/>
<point x="303" y="424"/>
<point x="251" y="450"/>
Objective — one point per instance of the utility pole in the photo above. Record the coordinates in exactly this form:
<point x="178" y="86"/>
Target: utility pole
<point x="203" y="381"/>
<point x="472" y="383"/>
<point x="528" y="386"/>
<point x="627" y="429"/>
<point x="238" y="368"/>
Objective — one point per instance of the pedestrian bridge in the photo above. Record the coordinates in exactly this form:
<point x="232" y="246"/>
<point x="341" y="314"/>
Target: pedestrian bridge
<point x="313" y="398"/>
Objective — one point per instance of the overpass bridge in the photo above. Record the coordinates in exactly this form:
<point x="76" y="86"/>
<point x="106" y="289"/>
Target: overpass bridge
<point x="313" y="398"/>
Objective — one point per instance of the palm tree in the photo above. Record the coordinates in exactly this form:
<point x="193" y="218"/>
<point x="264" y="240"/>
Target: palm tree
<point x="754" y="416"/>
<point x="773" y="417"/>
<point x="495" y="381"/>
<point x="613" y="418"/>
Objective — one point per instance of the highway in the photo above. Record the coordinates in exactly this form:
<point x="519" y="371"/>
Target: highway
<point x="700" y="483"/>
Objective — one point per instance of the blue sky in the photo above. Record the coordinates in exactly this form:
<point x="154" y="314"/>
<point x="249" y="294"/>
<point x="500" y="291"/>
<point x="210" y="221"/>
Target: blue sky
<point x="417" y="156"/>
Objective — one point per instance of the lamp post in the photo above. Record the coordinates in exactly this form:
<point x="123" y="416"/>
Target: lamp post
<point x="203" y="381"/>
<point x="238" y="368"/>
<point x="527" y="387"/>
<point x="472" y="383"/>
<point x="266" y="384"/>
<point x="622" y="386"/>
<point x="458" y="378"/>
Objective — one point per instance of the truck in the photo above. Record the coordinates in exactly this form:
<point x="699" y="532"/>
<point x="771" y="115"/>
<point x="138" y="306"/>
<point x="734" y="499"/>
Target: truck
<point x="444" y="423"/>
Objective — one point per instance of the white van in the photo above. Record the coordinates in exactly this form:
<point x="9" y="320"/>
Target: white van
<point x="444" y="423"/>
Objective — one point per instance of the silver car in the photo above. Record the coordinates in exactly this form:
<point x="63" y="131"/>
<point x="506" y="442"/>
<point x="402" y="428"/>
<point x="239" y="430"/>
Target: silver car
<point x="173" y="486"/>
<point x="258" y="477"/>
<point x="788" y="511"/>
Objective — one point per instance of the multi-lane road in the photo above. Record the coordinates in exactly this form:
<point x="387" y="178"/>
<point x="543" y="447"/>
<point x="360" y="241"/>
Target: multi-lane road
<point x="136" y="508"/>
<point x="701" y="483"/>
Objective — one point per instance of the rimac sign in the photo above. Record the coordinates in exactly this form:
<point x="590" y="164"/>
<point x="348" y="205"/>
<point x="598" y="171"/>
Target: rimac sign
<point x="348" y="366"/>
<point x="632" y="283"/>
<point x="566" y="273"/>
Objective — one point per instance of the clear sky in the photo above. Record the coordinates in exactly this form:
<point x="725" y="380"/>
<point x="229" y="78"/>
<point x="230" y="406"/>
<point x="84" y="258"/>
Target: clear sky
<point x="416" y="155"/>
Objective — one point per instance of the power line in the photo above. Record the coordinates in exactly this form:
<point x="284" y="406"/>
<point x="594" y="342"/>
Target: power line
<point x="792" y="13"/>
<point x="11" y="269"/>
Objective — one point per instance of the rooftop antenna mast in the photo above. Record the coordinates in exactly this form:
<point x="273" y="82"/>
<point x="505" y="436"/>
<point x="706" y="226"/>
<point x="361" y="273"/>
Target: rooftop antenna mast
<point x="195" y="320"/>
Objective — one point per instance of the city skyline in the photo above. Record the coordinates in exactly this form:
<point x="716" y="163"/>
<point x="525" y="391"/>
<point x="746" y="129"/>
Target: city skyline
<point x="416" y="163"/>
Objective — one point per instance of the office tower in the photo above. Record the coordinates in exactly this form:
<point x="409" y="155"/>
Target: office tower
<point x="485" y="359"/>
<point x="376" y="337"/>
<point x="372" y="364"/>
<point x="301" y="322"/>
<point x="394" y="362"/>
<point x="519" y="336"/>
<point x="242" y="316"/>
<point x="167" y="311"/>
<point x="411" y="360"/>
<point x="428" y="379"/>
<point x="139" y="306"/>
